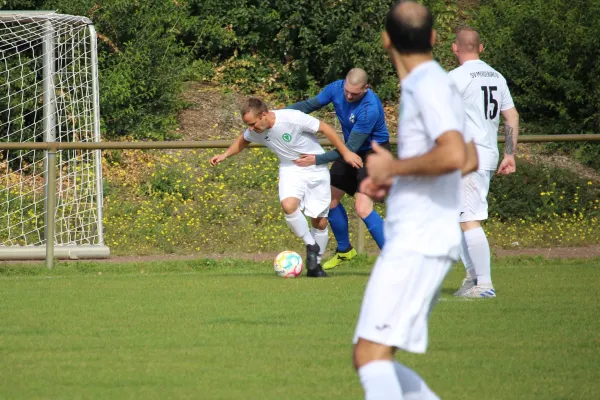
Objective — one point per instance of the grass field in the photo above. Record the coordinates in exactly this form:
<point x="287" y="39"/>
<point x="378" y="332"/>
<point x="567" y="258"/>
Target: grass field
<point x="233" y="330"/>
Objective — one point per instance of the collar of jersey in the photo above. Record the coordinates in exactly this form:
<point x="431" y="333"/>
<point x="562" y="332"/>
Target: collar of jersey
<point x="415" y="72"/>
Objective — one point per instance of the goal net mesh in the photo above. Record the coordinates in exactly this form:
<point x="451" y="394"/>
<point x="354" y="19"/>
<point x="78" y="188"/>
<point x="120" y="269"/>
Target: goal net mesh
<point x="48" y="60"/>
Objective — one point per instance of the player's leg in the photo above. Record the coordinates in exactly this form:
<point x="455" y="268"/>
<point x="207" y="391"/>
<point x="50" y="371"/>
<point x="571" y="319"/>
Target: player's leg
<point x="343" y="179"/>
<point x="292" y="187"/>
<point x="470" y="279"/>
<point x="321" y="234"/>
<point x="373" y="221"/>
<point x="317" y="197"/>
<point x="476" y="248"/>
<point x="397" y="320"/>
<point x="374" y="363"/>
<point x="384" y="378"/>
<point x="364" y="207"/>
<point x="296" y="221"/>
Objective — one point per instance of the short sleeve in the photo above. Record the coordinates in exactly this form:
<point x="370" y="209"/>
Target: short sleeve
<point x="248" y="136"/>
<point x="365" y="120"/>
<point x="308" y="123"/>
<point x="443" y="110"/>
<point x="454" y="76"/>
<point x="326" y="95"/>
<point x="507" y="100"/>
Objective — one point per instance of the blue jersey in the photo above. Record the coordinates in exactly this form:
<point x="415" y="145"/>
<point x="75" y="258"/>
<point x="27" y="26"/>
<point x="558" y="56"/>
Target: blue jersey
<point x="365" y="116"/>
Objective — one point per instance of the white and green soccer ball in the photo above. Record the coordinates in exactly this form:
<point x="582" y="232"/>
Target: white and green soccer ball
<point x="288" y="264"/>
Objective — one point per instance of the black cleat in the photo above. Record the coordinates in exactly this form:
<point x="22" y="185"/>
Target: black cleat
<point x="317" y="272"/>
<point x="312" y="253"/>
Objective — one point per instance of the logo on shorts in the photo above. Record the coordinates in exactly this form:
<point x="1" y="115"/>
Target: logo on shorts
<point x="286" y="137"/>
<point x="382" y="327"/>
<point x="352" y="118"/>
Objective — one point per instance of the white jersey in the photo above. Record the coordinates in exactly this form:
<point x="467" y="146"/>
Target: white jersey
<point x="292" y="135"/>
<point x="485" y="94"/>
<point x="424" y="210"/>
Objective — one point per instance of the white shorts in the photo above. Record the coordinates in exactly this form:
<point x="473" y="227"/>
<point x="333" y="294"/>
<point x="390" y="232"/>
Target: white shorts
<point x="401" y="292"/>
<point x="474" y="190"/>
<point x="310" y="186"/>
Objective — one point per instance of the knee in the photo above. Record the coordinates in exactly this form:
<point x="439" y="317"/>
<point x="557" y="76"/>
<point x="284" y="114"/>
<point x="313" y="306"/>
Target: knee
<point x="336" y="197"/>
<point x="289" y="205"/>
<point x="319" y="223"/>
<point x="366" y="351"/>
<point x="468" y="225"/>
<point x="363" y="207"/>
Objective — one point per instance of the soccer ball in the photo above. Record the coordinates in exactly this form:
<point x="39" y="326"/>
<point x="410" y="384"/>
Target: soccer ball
<point x="288" y="264"/>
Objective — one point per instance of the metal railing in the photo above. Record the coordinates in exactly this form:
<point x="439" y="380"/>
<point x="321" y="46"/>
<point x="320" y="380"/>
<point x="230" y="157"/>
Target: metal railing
<point x="53" y="147"/>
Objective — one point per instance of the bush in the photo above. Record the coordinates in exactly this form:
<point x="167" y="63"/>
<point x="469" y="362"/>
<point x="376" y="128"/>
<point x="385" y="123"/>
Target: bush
<point x="548" y="50"/>
<point x="318" y="40"/>
<point x="540" y="192"/>
<point x="141" y="60"/>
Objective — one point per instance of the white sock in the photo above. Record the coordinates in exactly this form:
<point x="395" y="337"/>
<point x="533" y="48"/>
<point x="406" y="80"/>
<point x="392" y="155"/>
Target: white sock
<point x="297" y="223"/>
<point x="413" y="386"/>
<point x="466" y="259"/>
<point x="322" y="238"/>
<point x="479" y="251"/>
<point x="379" y="380"/>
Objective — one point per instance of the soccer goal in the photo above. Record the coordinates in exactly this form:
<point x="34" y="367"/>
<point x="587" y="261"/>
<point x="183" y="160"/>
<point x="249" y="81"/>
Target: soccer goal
<point x="49" y="92"/>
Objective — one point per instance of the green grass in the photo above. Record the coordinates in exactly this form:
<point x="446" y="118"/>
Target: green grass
<point x="233" y="330"/>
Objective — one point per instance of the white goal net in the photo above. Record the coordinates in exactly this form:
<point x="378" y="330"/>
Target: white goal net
<point x="49" y="92"/>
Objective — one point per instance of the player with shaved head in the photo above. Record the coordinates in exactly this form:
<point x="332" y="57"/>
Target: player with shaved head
<point x="422" y="230"/>
<point x="361" y="116"/>
<point x="486" y="97"/>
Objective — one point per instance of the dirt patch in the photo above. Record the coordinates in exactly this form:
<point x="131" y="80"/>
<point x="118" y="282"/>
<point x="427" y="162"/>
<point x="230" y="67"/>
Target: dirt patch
<point x="212" y="113"/>
<point x="537" y="154"/>
<point x="553" y="252"/>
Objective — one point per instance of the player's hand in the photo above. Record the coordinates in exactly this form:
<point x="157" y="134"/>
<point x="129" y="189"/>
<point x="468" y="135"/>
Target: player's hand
<point x="353" y="159"/>
<point x="507" y="166"/>
<point x="217" y="159"/>
<point x="374" y="191"/>
<point x="306" y="160"/>
<point x="378" y="164"/>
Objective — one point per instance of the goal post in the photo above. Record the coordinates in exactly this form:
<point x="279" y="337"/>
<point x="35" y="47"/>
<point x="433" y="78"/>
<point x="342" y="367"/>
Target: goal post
<point x="49" y="92"/>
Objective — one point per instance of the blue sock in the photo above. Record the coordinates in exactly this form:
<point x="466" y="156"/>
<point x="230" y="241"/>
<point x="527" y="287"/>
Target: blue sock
<point x="338" y="219"/>
<point x="374" y="224"/>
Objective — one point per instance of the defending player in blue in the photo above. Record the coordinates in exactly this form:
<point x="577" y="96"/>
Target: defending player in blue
<point x="362" y="118"/>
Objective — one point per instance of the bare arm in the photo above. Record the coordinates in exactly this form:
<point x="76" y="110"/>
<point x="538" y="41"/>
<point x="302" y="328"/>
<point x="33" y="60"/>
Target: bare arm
<point x="511" y="130"/>
<point x="511" y="135"/>
<point x="472" y="159"/>
<point x="448" y="155"/>
<point x="237" y="146"/>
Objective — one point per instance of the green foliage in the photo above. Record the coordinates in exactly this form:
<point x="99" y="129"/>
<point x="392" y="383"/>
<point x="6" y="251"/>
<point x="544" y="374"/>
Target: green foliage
<point x="539" y="192"/>
<point x="141" y="60"/>
<point x="548" y="51"/>
<point x="319" y="41"/>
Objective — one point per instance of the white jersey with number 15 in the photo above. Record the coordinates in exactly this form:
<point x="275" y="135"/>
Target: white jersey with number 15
<point x="485" y="94"/>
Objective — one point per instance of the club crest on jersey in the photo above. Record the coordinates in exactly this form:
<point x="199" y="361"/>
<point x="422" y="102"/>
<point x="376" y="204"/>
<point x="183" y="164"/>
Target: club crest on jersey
<point x="286" y="137"/>
<point x="352" y="118"/>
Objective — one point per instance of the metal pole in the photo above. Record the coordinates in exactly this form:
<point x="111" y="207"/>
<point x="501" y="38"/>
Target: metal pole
<point x="98" y="159"/>
<point x="49" y="136"/>
<point x="51" y="205"/>
<point x="223" y="144"/>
